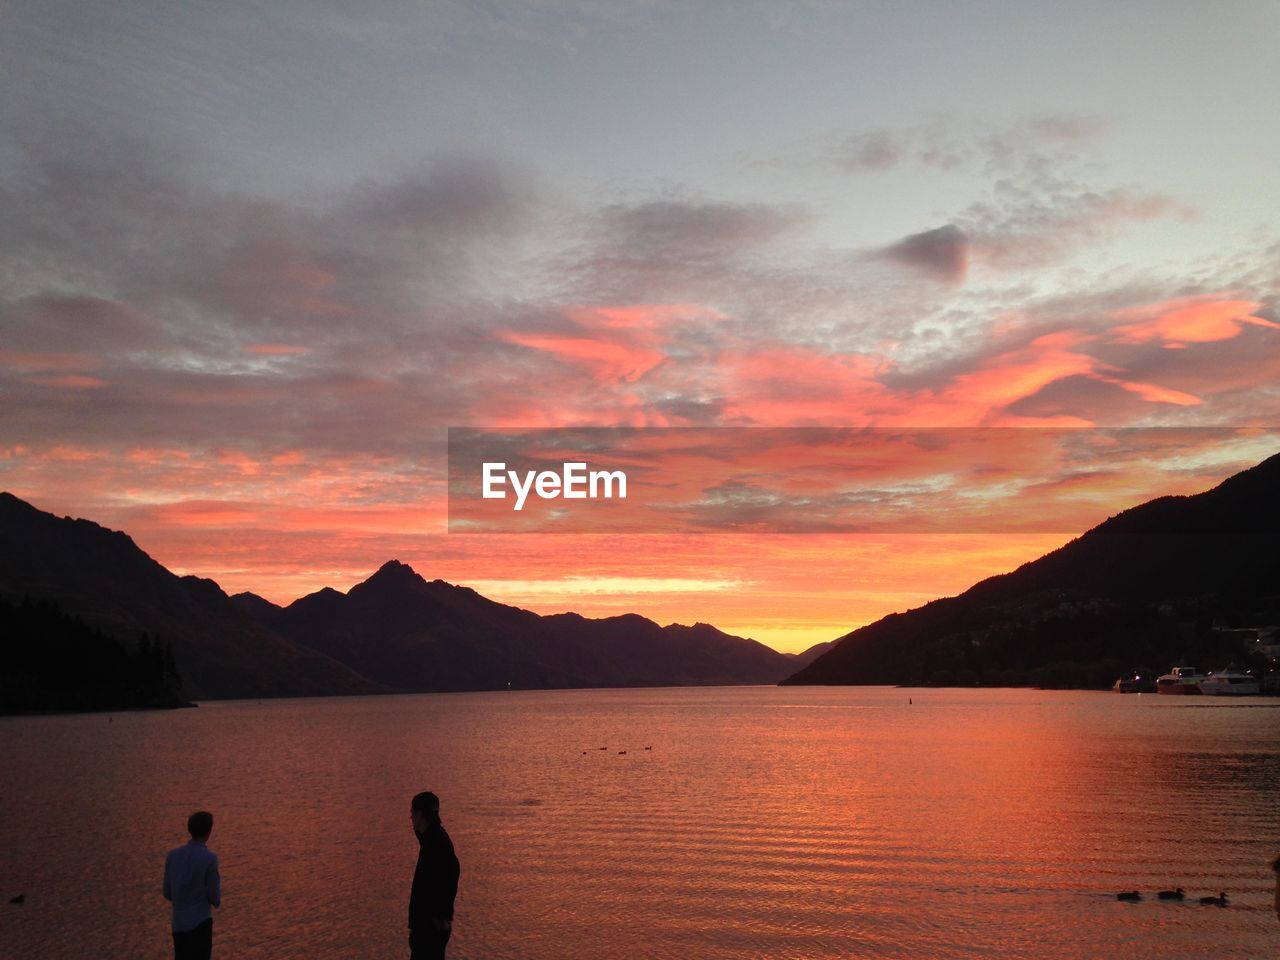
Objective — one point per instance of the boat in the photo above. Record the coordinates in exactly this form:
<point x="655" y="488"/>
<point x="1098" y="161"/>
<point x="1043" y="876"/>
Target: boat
<point x="1230" y="682"/>
<point x="1180" y="680"/>
<point x="1138" y="681"/>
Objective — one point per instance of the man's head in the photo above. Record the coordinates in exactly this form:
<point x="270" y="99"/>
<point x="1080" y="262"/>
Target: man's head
<point x="424" y="810"/>
<point x="200" y="825"/>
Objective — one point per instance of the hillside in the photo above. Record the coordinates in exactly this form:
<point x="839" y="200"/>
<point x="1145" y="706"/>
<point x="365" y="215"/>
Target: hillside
<point x="1144" y="587"/>
<point x="102" y="577"/>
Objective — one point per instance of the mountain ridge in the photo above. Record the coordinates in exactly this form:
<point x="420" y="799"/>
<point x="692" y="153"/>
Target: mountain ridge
<point x="394" y="631"/>
<point x="1144" y="586"/>
<point x="397" y="626"/>
<point x="102" y="576"/>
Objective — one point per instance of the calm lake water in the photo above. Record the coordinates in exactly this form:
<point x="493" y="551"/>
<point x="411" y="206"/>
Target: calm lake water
<point x="764" y="822"/>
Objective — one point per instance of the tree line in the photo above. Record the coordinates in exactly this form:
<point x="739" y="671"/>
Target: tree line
<point x="53" y="662"/>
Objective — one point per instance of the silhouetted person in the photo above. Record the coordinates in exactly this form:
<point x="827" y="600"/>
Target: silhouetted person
<point x="435" y="882"/>
<point x="191" y="882"/>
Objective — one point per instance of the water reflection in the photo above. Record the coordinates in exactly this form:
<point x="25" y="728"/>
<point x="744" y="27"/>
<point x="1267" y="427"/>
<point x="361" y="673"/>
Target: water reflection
<point x="763" y="822"/>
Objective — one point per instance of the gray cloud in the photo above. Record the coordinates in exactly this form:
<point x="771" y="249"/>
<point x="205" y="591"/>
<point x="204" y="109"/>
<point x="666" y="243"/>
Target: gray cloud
<point x="950" y="143"/>
<point x="1028" y="226"/>
<point x="194" y="312"/>
<point x="75" y="324"/>
<point x="671" y="249"/>
<point x="1040" y="209"/>
<point x="1084" y="397"/>
<point x="1025" y="227"/>
<point x="682" y="228"/>
<point x="942" y="253"/>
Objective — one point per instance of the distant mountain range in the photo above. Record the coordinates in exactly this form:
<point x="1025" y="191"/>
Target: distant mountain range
<point x="394" y="632"/>
<point x="1146" y="587"/>
<point x="401" y="630"/>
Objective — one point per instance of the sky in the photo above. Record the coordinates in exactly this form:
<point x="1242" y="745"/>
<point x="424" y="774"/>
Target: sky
<point x="256" y="259"/>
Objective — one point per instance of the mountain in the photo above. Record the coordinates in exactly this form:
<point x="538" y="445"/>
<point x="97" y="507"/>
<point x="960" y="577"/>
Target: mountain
<point x="394" y="632"/>
<point x="102" y="577"/>
<point x="255" y="606"/>
<point x="1146" y="587"/>
<point x="399" y="629"/>
<point x="807" y="657"/>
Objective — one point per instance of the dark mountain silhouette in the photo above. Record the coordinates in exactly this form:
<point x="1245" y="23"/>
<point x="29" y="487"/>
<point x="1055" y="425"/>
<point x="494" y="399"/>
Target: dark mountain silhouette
<point x="1145" y="586"/>
<point x="102" y="576"/>
<point x="396" y="631"/>
<point x="814" y="652"/>
<point x="404" y="631"/>
<point x="52" y="662"/>
<point x="257" y="607"/>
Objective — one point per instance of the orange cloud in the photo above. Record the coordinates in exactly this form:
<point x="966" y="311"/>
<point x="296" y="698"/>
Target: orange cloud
<point x="204" y="513"/>
<point x="244" y="463"/>
<point x="978" y="397"/>
<point x="1181" y="322"/>
<point x="605" y="360"/>
<point x="614" y="344"/>
<point x="650" y="316"/>
<point x="1159" y="394"/>
<point x="781" y="385"/>
<point x="144" y="456"/>
<point x="70" y="454"/>
<point x="788" y="385"/>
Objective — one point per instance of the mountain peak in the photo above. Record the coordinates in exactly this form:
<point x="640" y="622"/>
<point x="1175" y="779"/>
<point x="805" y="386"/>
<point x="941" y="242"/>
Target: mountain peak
<point x="394" y="568"/>
<point x="258" y="607"/>
<point x="393" y="573"/>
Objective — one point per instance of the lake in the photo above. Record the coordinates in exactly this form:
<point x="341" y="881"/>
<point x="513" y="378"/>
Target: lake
<point x="683" y="823"/>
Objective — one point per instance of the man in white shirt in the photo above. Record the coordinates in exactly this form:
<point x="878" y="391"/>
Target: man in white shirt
<point x="191" y="883"/>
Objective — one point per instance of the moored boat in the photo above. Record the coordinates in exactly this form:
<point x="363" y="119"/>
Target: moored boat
<point x="1180" y="680"/>
<point x="1138" y="681"/>
<point x="1230" y="683"/>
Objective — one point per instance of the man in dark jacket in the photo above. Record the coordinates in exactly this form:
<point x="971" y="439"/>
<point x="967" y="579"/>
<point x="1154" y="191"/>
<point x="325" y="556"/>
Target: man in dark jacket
<point x="435" y="882"/>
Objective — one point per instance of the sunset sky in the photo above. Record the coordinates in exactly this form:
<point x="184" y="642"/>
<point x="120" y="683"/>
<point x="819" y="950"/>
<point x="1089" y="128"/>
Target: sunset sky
<point x="257" y="258"/>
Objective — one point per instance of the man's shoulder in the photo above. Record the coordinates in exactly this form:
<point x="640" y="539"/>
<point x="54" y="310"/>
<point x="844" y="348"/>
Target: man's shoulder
<point x="444" y="845"/>
<point x="192" y="851"/>
<point x="205" y="854"/>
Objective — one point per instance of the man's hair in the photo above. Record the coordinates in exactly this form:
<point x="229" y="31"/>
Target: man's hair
<point x="200" y="823"/>
<point x="427" y="802"/>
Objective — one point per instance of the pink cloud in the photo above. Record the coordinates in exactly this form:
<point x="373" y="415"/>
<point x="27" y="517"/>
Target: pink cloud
<point x="35" y="362"/>
<point x="778" y="384"/>
<point x="612" y="344"/>
<point x="1181" y="322"/>
<point x="1157" y="394"/>
<point x="787" y="385"/>
<point x="601" y="359"/>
